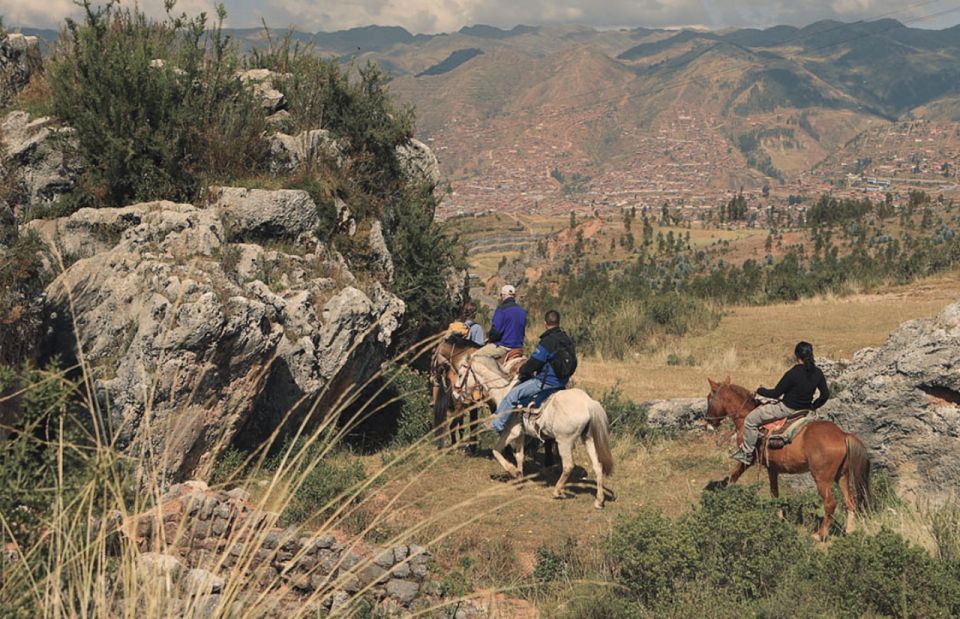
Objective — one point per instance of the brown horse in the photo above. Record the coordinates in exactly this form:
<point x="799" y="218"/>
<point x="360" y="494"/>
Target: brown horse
<point x="822" y="448"/>
<point x="449" y="411"/>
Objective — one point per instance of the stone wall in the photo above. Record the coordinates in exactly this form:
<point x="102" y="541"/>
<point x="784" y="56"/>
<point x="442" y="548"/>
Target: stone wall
<point x="200" y="539"/>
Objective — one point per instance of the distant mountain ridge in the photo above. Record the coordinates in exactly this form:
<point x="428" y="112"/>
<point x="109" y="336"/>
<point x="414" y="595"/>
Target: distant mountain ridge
<point x="741" y="107"/>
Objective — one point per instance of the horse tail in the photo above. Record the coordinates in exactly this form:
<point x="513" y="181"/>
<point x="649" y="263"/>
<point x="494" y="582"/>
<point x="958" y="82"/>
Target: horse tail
<point x="858" y="467"/>
<point x="600" y="435"/>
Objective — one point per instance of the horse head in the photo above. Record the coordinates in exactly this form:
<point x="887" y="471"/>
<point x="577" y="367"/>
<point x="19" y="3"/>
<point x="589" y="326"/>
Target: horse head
<point x="727" y="400"/>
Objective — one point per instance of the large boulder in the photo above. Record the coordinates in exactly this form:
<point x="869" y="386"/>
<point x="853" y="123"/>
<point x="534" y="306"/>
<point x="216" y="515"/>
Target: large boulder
<point x="19" y="60"/>
<point x="903" y="400"/>
<point x="40" y="154"/>
<point x="307" y="148"/>
<point x="419" y="163"/>
<point x="260" y="214"/>
<point x="193" y="338"/>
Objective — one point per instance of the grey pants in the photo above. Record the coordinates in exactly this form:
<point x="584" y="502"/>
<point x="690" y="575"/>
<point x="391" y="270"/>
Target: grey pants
<point x="758" y="417"/>
<point x="491" y="350"/>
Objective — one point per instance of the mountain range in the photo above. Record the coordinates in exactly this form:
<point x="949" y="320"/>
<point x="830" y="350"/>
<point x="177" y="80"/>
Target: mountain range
<point x="509" y="112"/>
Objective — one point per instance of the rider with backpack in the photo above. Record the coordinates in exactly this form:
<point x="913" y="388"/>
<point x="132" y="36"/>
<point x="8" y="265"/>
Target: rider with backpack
<point x="548" y="370"/>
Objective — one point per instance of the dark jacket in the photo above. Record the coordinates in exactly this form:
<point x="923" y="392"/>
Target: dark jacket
<point x="509" y="325"/>
<point x="538" y="364"/>
<point x="797" y="386"/>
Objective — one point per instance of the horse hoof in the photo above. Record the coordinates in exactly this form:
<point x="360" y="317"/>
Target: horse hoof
<point x="598" y="504"/>
<point x="817" y="537"/>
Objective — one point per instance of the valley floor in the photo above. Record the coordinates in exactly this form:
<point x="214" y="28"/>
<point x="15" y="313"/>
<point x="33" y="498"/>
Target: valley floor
<point x="488" y="531"/>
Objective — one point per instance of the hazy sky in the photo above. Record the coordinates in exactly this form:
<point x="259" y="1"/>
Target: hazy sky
<point x="450" y="15"/>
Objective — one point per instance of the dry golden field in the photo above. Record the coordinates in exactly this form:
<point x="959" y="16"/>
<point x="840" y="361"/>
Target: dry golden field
<point x="754" y="344"/>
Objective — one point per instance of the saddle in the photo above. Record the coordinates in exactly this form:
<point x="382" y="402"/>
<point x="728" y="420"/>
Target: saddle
<point x="509" y="363"/>
<point x="779" y="433"/>
<point x="530" y="414"/>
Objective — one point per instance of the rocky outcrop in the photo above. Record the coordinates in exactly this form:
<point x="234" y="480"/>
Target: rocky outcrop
<point x="307" y="148"/>
<point x="903" y="400"/>
<point x="198" y="337"/>
<point x="679" y="414"/>
<point x="262" y="81"/>
<point x="19" y="60"/>
<point x="39" y="155"/>
<point x="419" y="163"/>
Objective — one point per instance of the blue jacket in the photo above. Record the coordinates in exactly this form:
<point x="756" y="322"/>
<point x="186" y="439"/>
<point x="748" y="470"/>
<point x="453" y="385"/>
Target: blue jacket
<point x="509" y="325"/>
<point x="539" y="364"/>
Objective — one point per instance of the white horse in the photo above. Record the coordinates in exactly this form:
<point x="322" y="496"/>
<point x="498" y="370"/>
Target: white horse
<point x="566" y="416"/>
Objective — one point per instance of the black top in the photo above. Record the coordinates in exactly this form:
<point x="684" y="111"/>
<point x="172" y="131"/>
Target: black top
<point x="797" y="387"/>
<point x="551" y="342"/>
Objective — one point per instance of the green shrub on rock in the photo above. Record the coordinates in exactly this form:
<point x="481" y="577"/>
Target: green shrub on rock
<point x="156" y="105"/>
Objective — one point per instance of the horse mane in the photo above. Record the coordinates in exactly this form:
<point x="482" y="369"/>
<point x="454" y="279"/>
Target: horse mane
<point x="746" y="394"/>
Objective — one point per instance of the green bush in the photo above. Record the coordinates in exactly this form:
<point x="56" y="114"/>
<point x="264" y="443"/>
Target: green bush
<point x="22" y="281"/>
<point x="883" y="574"/>
<point x="551" y="566"/>
<point x="415" y="415"/>
<point x="46" y="424"/>
<point x="325" y="477"/>
<point x="744" y="546"/>
<point x="625" y="416"/>
<point x="156" y="106"/>
<point x="734" y="556"/>
<point x="652" y="555"/>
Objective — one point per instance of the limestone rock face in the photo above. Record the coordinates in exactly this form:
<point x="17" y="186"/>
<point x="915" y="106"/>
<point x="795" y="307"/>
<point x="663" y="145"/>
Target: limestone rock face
<point x="903" y="400"/>
<point x="262" y="214"/>
<point x="306" y="148"/>
<point x="39" y="153"/>
<point x="418" y="162"/>
<point x="192" y="337"/>
<point x="19" y="60"/>
<point x="262" y="82"/>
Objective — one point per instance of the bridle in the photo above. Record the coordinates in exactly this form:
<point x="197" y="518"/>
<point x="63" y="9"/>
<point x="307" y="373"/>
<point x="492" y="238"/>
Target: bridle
<point x="481" y="390"/>
<point x="719" y="419"/>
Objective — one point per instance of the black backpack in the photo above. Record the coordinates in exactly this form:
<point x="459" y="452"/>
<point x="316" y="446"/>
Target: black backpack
<point x="564" y="361"/>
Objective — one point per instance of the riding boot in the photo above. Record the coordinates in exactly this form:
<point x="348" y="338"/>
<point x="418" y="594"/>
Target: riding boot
<point x="743" y="455"/>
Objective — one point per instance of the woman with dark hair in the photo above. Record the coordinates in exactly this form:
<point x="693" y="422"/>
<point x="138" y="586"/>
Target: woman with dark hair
<point x="793" y="393"/>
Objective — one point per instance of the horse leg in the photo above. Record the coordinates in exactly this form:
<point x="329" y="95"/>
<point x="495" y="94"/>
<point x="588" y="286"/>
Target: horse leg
<point x="772" y="474"/>
<point x="519" y="445"/>
<point x="505" y="437"/>
<point x="565" y="445"/>
<point x="848" y="502"/>
<point x="597" y="469"/>
<point x="471" y="431"/>
<point x="736" y="473"/>
<point x="825" y="488"/>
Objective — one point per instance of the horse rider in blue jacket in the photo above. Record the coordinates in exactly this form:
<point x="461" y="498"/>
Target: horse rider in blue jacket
<point x="547" y="370"/>
<point x="509" y="326"/>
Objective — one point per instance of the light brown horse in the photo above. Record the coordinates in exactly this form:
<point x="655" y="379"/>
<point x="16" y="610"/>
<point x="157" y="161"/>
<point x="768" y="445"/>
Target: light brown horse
<point x="822" y="448"/>
<point x="448" y="410"/>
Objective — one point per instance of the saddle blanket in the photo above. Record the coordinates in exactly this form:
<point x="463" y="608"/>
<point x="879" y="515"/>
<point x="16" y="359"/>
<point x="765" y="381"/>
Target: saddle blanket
<point x="787" y="428"/>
